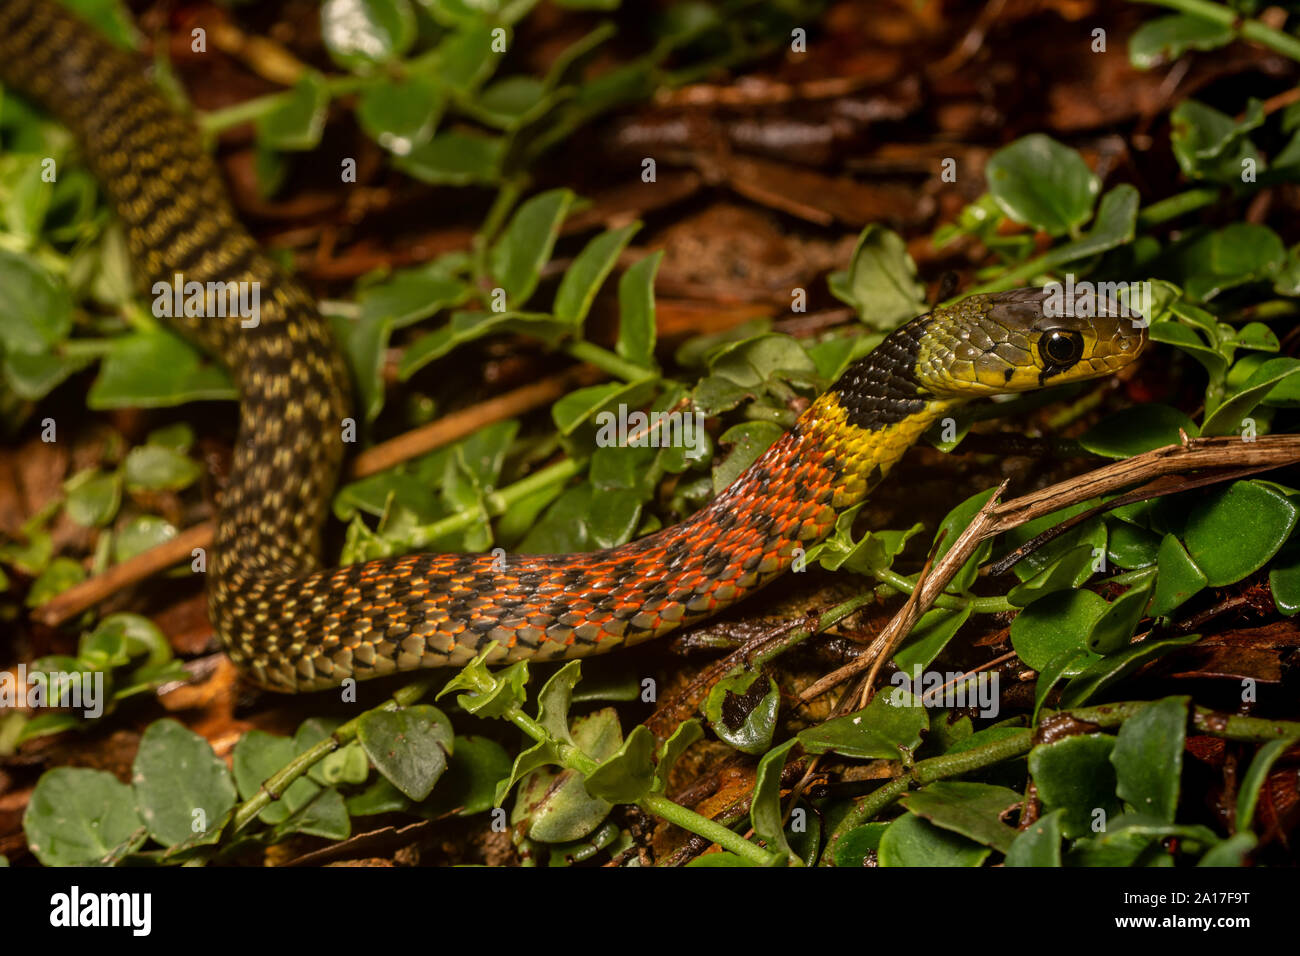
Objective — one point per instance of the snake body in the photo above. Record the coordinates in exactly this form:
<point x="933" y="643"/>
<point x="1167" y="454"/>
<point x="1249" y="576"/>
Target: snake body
<point x="293" y="625"/>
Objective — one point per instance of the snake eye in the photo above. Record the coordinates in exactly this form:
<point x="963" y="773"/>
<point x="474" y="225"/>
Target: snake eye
<point x="1061" y="348"/>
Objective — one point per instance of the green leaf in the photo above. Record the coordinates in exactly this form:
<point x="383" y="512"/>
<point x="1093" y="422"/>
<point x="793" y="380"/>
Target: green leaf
<point x="588" y="271"/>
<point x="181" y="787"/>
<point x="1177" y="578"/>
<point x="1040" y="182"/>
<point x="44" y="725"/>
<point x="408" y="296"/>
<point x="257" y="756"/>
<point x="1148" y="758"/>
<point x="1255" y="778"/>
<point x="765" y="805"/>
<point x="507" y="687"/>
<point x="1076" y="780"/>
<point x="564" y="527"/>
<point x="347" y="765"/>
<point x="584" y="404"/>
<point x="1233" y="532"/>
<point x="1228" y="418"/>
<point x="32" y="376"/>
<point x="296" y="124"/>
<point x="722" y="859"/>
<point x="1284" y="581"/>
<point x="465" y="327"/>
<point x="1165" y="39"/>
<point x="454" y="159"/>
<point x="23" y="210"/>
<point x="757" y="361"/>
<point x="1115" y="667"/>
<point x="554" y="699"/>
<point x="1237" y="254"/>
<point x="1136" y="840"/>
<point x="1056" y="624"/>
<point x="875" y="551"/>
<point x="687" y="733"/>
<point x="555" y="804"/>
<point x="891" y="725"/>
<point x="748" y="440"/>
<point x="78" y="816"/>
<point x="324" y="816"/>
<point x="361" y="34"/>
<point x="382" y="797"/>
<point x="137" y="634"/>
<point x="1114" y="225"/>
<point x="513" y="101"/>
<point x="1039" y="844"/>
<point x="470" y="783"/>
<point x="401" y="113"/>
<point x="469" y="55"/>
<point x="140" y="534"/>
<point x="930" y="636"/>
<point x="1211" y="145"/>
<point x="950" y="529"/>
<point x="59" y="575"/>
<point x="525" y="246"/>
<point x="35" y="308"/>
<point x="742" y="711"/>
<point x="628" y="775"/>
<point x="178" y="437"/>
<point x="1182" y="337"/>
<point x="1136" y="430"/>
<point x="1116" y="627"/>
<point x="715" y="395"/>
<point x="636" y="309"/>
<point x="1068" y="571"/>
<point x="156" y="468"/>
<point x="880" y="283"/>
<point x="155" y="369"/>
<point x="1130" y="547"/>
<point x="1231" y="852"/>
<point x="93" y="497"/>
<point x="860" y="846"/>
<point x="409" y="746"/>
<point x="911" y="841"/>
<point x="615" y="516"/>
<point x="971" y="809"/>
<point x="1069" y="663"/>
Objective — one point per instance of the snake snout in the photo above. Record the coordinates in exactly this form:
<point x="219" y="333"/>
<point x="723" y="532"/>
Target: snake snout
<point x="1028" y="338"/>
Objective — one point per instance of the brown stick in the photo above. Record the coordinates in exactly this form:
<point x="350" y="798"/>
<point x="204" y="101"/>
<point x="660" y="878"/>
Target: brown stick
<point x="1230" y="454"/>
<point x="929" y="588"/>
<point x="404" y="447"/>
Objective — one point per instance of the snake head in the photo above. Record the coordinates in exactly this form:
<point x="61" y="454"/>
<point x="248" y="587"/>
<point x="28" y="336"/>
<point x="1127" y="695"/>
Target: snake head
<point x="1027" y="338"/>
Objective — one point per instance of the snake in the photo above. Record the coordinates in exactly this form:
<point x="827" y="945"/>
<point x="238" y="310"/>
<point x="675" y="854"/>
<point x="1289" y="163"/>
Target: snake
<point x="291" y="624"/>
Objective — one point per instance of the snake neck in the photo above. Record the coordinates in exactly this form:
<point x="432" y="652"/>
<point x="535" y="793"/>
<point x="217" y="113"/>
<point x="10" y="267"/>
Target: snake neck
<point x="863" y="437"/>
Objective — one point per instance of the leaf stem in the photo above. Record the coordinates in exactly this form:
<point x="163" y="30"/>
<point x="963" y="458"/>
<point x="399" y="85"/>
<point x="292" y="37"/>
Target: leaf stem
<point x="949" y="602"/>
<point x="609" y="362"/>
<point x="497" y="502"/>
<point x="928" y="771"/>
<point x="217" y="121"/>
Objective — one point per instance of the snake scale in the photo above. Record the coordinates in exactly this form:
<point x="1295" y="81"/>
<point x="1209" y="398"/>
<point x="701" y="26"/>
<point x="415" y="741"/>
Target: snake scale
<point x="292" y="625"/>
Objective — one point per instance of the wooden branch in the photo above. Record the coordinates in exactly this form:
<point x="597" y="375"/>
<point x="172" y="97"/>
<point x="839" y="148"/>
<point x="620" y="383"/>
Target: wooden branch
<point x="928" y="588"/>
<point x="1230" y="456"/>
